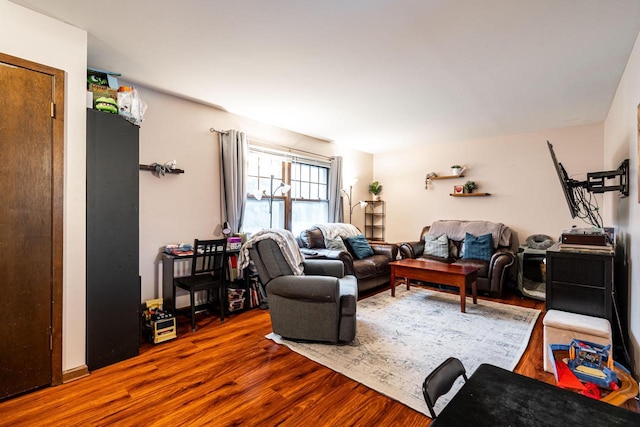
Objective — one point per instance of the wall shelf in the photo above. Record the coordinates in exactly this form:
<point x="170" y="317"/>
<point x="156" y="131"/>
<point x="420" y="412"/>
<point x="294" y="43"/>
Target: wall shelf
<point x="470" y="195"/>
<point x="447" y="176"/>
<point x="153" y="169"/>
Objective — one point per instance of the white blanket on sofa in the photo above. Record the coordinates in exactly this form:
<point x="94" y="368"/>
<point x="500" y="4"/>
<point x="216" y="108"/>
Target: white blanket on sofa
<point x="337" y="229"/>
<point x="456" y="230"/>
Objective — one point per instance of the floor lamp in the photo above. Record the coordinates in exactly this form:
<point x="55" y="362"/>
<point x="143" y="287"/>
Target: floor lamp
<point x="285" y="189"/>
<point x="362" y="203"/>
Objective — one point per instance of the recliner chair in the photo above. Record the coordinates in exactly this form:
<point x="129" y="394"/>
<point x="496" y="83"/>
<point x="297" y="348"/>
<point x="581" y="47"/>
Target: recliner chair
<point x="319" y="305"/>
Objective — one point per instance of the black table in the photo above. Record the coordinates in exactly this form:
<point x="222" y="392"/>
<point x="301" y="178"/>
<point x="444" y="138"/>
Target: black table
<point x="496" y="397"/>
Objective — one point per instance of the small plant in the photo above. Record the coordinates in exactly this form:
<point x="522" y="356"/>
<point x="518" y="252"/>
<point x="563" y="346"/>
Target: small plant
<point x="375" y="188"/>
<point x="469" y="186"/>
<point x="457" y="169"/>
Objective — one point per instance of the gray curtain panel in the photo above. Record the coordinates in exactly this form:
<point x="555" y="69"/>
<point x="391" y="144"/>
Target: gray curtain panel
<point x="234" y="150"/>
<point x="336" y="213"/>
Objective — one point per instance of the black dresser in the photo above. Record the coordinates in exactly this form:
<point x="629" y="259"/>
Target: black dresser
<point x="580" y="282"/>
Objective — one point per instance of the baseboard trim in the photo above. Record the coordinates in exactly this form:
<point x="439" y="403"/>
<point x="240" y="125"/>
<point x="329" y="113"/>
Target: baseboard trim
<point x="75" y="374"/>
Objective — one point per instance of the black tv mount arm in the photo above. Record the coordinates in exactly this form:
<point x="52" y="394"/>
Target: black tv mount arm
<point x="596" y="181"/>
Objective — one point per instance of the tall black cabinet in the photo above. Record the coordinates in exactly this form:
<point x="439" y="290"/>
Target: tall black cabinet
<point x="113" y="283"/>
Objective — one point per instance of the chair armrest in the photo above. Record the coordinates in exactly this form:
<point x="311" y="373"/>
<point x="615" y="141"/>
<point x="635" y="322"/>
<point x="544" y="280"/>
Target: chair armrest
<point x="411" y="249"/>
<point x="390" y="250"/>
<point x="308" y="288"/>
<point x="323" y="267"/>
<point x="500" y="261"/>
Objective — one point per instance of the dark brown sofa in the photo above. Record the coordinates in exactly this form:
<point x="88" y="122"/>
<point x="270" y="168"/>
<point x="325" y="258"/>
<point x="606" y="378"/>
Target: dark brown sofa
<point x="494" y="274"/>
<point x="371" y="272"/>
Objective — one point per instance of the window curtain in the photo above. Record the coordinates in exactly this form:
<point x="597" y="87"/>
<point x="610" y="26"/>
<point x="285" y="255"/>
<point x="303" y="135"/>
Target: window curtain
<point x="234" y="150"/>
<point x="336" y="212"/>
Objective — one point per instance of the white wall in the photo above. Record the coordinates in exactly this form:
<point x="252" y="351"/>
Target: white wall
<point x="179" y="208"/>
<point x="621" y="142"/>
<point x="40" y="39"/>
<point x="517" y="170"/>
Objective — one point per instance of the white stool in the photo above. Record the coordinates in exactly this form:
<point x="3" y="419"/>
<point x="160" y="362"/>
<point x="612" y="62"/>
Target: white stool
<point x="560" y="327"/>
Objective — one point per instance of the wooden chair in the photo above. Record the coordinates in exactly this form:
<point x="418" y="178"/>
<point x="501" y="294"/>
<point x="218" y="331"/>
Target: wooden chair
<point x="440" y="381"/>
<point x="208" y="272"/>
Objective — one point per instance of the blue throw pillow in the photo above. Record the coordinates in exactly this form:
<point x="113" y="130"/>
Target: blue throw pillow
<point x="361" y="247"/>
<point x="480" y="247"/>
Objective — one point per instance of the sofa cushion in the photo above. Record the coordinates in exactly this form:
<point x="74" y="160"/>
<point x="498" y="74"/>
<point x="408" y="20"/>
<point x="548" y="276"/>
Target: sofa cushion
<point x="360" y="246"/>
<point x="478" y="247"/>
<point x="482" y="266"/>
<point x="372" y="266"/>
<point x="436" y="246"/>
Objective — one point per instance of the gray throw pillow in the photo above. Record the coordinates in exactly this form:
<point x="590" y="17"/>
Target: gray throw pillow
<point x="436" y="246"/>
<point x="335" y="243"/>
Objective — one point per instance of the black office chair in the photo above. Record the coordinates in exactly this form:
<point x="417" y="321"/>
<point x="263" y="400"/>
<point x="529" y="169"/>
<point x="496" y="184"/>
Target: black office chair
<point x="208" y="272"/>
<point x="440" y="381"/>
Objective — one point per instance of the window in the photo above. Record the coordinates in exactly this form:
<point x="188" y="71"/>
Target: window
<point x="305" y="204"/>
<point x="309" y="191"/>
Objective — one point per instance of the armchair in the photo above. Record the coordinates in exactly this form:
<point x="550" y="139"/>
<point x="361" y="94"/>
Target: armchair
<point x="319" y="305"/>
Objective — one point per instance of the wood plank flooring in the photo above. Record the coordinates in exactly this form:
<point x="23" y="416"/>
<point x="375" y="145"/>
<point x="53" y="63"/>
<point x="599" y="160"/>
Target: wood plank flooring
<point x="228" y="375"/>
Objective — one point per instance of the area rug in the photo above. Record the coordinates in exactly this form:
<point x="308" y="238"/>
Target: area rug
<point x="400" y="340"/>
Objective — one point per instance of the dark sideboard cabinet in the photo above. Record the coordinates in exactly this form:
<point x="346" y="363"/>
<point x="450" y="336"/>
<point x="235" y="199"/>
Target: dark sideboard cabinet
<point x="113" y="282"/>
<point x="580" y="282"/>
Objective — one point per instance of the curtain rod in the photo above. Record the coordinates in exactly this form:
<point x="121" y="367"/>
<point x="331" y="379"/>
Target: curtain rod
<point x="284" y="147"/>
<point x="224" y="132"/>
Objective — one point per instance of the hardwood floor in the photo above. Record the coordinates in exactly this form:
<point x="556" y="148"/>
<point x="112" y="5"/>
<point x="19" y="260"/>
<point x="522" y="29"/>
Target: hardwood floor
<point x="227" y="375"/>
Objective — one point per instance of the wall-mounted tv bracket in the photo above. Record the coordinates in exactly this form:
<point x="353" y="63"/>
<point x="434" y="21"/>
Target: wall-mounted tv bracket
<point x="595" y="182"/>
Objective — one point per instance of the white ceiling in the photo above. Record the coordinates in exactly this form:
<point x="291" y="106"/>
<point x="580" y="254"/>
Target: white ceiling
<point x="374" y="74"/>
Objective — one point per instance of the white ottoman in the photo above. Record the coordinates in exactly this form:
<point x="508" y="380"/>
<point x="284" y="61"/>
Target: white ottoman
<point x="560" y="327"/>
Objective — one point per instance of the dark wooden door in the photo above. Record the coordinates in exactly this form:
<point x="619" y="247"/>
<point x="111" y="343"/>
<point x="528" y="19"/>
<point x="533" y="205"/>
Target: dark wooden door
<point x="28" y="216"/>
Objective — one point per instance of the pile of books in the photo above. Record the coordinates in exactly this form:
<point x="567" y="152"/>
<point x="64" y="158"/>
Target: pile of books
<point x="180" y="249"/>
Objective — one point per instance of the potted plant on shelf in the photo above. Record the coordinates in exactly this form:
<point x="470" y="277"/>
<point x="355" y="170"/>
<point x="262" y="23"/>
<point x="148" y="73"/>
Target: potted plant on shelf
<point x="456" y="170"/>
<point x="469" y="186"/>
<point x="375" y="189"/>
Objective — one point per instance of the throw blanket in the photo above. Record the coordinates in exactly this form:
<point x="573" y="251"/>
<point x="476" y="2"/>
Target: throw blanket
<point x="286" y="242"/>
<point x="337" y="229"/>
<point x="457" y="230"/>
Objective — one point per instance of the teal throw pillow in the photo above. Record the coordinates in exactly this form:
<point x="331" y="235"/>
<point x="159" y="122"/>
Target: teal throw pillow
<point x="480" y="247"/>
<point x="360" y="246"/>
<point x="436" y="246"/>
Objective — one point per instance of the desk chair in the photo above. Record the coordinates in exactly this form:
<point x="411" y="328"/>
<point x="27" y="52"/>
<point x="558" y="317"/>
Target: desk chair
<point x="440" y="381"/>
<point x="208" y="272"/>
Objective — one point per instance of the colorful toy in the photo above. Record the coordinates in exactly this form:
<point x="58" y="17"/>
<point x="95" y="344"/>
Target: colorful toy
<point x="591" y="363"/>
<point x="106" y="104"/>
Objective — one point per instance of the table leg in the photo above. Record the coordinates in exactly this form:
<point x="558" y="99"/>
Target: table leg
<point x="407" y="282"/>
<point x="474" y="291"/>
<point x="463" y="298"/>
<point x="393" y="281"/>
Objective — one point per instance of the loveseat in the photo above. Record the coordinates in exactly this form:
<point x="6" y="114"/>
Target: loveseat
<point x="490" y="246"/>
<point x="371" y="271"/>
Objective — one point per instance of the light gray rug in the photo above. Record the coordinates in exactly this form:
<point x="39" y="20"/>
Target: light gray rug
<point x="400" y="340"/>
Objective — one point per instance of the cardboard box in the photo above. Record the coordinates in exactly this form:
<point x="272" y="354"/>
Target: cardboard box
<point x="104" y="98"/>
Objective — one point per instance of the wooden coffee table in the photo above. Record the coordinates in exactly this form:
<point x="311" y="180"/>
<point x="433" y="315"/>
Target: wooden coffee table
<point x="444" y="274"/>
